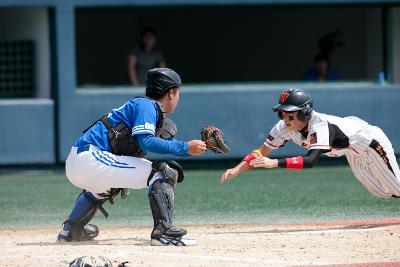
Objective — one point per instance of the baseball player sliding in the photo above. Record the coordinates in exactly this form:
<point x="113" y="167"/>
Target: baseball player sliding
<point x="108" y="159"/>
<point x="366" y="147"/>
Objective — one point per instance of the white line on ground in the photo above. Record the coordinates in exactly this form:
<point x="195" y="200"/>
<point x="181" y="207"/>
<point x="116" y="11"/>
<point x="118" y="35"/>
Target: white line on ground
<point x="296" y="232"/>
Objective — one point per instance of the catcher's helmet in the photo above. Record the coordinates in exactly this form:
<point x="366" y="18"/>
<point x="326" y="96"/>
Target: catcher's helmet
<point x="160" y="80"/>
<point x="90" y="261"/>
<point x="295" y="99"/>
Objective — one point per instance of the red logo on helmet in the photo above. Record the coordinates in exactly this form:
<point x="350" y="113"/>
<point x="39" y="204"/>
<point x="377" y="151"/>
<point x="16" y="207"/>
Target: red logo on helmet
<point x="283" y="97"/>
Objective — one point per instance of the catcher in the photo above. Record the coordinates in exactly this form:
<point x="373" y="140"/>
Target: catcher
<point x="108" y="157"/>
<point x="366" y="147"/>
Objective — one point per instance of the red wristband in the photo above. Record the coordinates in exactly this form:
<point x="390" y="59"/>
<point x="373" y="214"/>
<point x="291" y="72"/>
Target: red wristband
<point x="295" y="163"/>
<point x="249" y="158"/>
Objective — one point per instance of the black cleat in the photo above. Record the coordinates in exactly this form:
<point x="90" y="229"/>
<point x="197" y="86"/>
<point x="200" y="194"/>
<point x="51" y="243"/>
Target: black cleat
<point x="173" y="232"/>
<point x="88" y="232"/>
<point x="173" y="241"/>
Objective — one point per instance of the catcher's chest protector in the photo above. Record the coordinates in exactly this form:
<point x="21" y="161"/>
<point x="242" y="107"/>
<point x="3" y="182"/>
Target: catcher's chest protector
<point x="121" y="140"/>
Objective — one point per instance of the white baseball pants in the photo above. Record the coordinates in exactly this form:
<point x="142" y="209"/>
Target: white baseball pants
<point x="98" y="171"/>
<point x="377" y="168"/>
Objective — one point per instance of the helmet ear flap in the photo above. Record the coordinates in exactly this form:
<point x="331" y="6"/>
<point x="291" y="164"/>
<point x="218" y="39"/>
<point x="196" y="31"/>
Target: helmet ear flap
<point x="305" y="113"/>
<point x="301" y="116"/>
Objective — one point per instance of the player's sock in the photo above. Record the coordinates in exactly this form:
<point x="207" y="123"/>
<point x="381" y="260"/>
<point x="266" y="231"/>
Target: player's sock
<point x="76" y="228"/>
<point x="82" y="205"/>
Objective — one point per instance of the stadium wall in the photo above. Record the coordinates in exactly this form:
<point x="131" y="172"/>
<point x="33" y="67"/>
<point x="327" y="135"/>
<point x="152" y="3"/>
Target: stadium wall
<point x="243" y="112"/>
<point x="27" y="131"/>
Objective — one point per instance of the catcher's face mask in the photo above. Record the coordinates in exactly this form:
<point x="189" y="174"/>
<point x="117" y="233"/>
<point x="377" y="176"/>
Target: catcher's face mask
<point x="90" y="261"/>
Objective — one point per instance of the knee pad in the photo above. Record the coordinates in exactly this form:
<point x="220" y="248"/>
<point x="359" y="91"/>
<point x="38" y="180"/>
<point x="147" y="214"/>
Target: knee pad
<point x="170" y="171"/>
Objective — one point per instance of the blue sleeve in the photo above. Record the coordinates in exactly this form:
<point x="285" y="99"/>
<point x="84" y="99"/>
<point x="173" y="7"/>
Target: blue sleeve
<point x="157" y="145"/>
<point x="182" y="155"/>
<point x="145" y="118"/>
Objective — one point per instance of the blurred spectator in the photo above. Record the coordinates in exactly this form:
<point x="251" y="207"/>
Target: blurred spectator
<point x="322" y="70"/>
<point x="144" y="57"/>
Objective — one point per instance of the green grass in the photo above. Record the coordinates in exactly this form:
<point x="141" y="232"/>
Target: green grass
<point x="29" y="199"/>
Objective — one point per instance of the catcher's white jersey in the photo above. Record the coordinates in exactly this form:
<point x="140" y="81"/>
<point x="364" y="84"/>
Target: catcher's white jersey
<point x="367" y="149"/>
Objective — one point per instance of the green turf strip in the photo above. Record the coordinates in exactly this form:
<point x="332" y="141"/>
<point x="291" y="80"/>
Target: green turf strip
<point x="36" y="199"/>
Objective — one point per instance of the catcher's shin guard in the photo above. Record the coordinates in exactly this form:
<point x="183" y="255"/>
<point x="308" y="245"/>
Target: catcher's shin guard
<point x="161" y="197"/>
<point x="76" y="228"/>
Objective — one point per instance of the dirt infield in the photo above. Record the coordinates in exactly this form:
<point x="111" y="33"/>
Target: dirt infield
<point x="348" y="243"/>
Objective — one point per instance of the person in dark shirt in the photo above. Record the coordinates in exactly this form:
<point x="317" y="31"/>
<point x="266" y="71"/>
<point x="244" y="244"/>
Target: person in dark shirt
<point x="322" y="70"/>
<point x="144" y="57"/>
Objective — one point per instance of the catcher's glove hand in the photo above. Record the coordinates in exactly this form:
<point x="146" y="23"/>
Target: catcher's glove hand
<point x="214" y="139"/>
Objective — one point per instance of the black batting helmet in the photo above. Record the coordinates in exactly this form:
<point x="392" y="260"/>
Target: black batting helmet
<point x="295" y="99"/>
<point x="160" y="80"/>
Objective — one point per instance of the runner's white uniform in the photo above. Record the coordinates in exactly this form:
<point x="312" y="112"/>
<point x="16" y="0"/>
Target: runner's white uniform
<point x="366" y="147"/>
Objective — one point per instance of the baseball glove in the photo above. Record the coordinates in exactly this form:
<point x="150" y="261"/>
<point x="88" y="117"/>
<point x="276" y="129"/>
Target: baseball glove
<point x="214" y="139"/>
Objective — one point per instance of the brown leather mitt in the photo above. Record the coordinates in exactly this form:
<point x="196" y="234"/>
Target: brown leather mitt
<point x="214" y="139"/>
